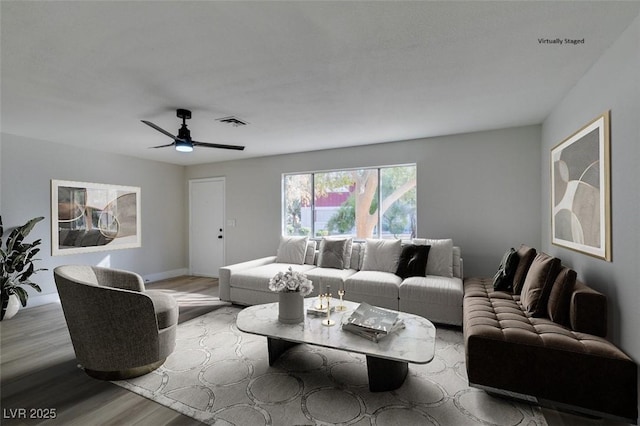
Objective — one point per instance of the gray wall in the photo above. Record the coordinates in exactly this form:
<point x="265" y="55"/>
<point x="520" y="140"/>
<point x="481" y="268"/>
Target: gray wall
<point x="481" y="189"/>
<point x="27" y="167"/>
<point x="611" y="84"/>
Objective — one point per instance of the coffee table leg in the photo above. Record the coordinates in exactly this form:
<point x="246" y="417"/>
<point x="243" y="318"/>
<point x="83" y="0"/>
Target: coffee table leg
<point x="385" y="375"/>
<point x="277" y="347"/>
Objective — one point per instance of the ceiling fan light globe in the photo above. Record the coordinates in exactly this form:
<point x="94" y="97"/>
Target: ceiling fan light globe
<point x="184" y="146"/>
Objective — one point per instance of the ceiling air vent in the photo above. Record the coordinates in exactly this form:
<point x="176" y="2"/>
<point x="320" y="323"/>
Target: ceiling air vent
<point x="234" y="121"/>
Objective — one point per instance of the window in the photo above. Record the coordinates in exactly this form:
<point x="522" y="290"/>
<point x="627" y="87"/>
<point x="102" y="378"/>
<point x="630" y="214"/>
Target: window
<point x="361" y="203"/>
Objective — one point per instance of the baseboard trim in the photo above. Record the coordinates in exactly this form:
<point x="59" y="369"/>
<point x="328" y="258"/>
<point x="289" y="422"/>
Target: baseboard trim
<point x="165" y="275"/>
<point x="42" y="299"/>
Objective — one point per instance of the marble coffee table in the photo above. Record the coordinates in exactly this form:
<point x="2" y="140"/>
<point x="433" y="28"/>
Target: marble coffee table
<point x="387" y="359"/>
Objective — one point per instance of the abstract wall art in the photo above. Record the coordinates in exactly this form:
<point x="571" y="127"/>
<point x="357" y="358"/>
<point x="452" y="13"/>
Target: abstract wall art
<point x="580" y="190"/>
<point x="87" y="217"/>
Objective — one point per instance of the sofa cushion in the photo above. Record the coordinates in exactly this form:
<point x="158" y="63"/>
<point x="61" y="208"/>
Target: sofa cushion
<point x="323" y="277"/>
<point x="526" y="255"/>
<point x="334" y="253"/>
<point x="258" y="278"/>
<point x="382" y="255"/>
<point x="538" y="283"/>
<point x="433" y="289"/>
<point x="413" y="261"/>
<point x="375" y="283"/>
<point x="292" y="250"/>
<point x="440" y="261"/>
<point x="503" y="279"/>
<point x="560" y="296"/>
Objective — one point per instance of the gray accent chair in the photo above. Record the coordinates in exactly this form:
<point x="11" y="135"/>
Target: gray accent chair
<point x="118" y="329"/>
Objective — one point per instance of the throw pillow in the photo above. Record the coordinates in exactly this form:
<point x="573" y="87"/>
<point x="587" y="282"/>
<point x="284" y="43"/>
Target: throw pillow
<point x="526" y="255"/>
<point x="440" y="260"/>
<point x="333" y="253"/>
<point x="347" y="253"/>
<point x="292" y="250"/>
<point x="503" y="279"/>
<point x="357" y="256"/>
<point x="382" y="255"/>
<point x="538" y="283"/>
<point x="560" y="297"/>
<point x="310" y="255"/>
<point x="413" y="261"/>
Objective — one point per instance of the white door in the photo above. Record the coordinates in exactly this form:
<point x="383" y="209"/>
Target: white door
<point x="206" y="226"/>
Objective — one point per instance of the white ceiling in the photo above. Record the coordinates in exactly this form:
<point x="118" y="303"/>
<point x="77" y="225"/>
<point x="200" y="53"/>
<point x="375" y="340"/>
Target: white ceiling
<point x="306" y="75"/>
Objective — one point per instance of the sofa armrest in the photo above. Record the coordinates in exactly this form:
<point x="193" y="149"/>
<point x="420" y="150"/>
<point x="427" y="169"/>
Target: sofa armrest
<point x="224" y="274"/>
<point x="588" y="310"/>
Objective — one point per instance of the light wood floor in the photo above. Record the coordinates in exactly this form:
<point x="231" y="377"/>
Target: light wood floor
<point x="38" y="369"/>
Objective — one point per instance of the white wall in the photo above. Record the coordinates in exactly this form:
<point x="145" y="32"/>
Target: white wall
<point x="0" y="174"/>
<point x="481" y="189"/>
<point x="611" y="84"/>
<point x="27" y="167"/>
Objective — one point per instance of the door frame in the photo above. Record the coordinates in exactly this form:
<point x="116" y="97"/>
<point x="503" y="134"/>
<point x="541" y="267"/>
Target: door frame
<point x="224" y="204"/>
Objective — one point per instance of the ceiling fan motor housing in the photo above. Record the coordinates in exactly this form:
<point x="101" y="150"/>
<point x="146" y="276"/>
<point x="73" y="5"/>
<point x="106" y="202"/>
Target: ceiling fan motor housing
<point x="184" y="133"/>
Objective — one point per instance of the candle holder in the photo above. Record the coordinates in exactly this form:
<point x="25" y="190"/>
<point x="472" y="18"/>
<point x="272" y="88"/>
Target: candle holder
<point x="320" y="305"/>
<point x="328" y="322"/>
<point x="341" y="307"/>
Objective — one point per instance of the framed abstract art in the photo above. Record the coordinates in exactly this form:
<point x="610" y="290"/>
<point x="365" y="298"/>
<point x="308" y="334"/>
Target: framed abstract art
<point x="580" y="190"/>
<point x="88" y="217"/>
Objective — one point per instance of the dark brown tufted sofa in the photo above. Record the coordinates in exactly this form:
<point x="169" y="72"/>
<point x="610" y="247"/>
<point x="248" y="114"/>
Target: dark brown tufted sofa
<point x="511" y="352"/>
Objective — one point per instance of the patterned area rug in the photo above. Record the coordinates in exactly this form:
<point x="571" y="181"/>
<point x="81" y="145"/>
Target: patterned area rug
<point x="221" y="376"/>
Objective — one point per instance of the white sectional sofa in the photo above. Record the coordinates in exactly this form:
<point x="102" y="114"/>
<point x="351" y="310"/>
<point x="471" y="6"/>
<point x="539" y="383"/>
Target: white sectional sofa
<point x="367" y="271"/>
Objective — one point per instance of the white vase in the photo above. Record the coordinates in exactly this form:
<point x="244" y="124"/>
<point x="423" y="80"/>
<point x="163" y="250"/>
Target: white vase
<point x="291" y="307"/>
<point x="13" y="305"/>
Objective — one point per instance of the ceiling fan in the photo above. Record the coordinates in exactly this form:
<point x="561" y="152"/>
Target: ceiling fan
<point x="183" y="141"/>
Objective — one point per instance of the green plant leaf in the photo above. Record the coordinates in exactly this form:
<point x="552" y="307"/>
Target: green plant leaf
<point x="27" y="227"/>
<point x="17" y="262"/>
<point x="22" y="295"/>
<point x="35" y="286"/>
<point x="27" y="273"/>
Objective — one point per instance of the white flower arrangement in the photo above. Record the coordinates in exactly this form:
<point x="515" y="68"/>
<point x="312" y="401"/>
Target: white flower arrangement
<point x="291" y="281"/>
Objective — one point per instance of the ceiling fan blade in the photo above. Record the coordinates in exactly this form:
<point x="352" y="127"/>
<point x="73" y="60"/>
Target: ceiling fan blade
<point x="160" y="129"/>
<point x="217" y="145"/>
<point x="163" y="146"/>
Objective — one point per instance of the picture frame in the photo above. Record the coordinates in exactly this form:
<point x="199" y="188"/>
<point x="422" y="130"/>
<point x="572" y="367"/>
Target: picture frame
<point x="88" y="217"/>
<point x="581" y="192"/>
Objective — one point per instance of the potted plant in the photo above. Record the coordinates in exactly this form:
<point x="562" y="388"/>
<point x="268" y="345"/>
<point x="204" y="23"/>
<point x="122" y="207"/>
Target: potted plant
<point x="17" y="266"/>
